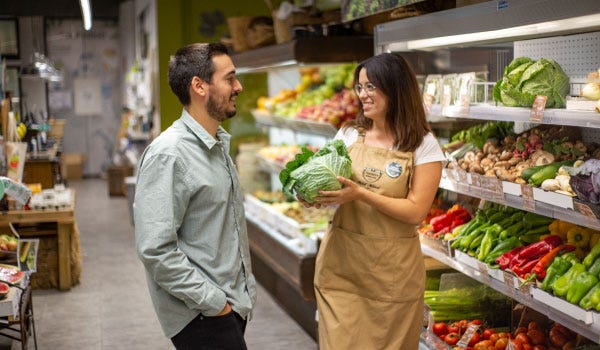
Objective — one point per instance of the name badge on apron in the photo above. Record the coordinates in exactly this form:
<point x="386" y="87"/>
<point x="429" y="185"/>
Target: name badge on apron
<point x="393" y="170"/>
<point x="371" y="174"/>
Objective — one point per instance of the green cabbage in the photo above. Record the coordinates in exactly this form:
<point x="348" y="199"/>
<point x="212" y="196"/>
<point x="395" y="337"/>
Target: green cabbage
<point x="309" y="172"/>
<point x="524" y="79"/>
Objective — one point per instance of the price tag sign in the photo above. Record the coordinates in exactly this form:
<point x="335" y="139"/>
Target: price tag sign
<point x="537" y="111"/>
<point x="527" y="194"/>
<point x="509" y="282"/>
<point x="465" y="104"/>
<point x="427" y="101"/>
<point x="585" y="210"/>
<point x="494" y="189"/>
<point x="476" y="184"/>
<point x="466" y="338"/>
<point x="483" y="269"/>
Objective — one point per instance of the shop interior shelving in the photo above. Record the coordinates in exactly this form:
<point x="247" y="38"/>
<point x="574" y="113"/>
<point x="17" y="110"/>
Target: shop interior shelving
<point x="533" y="28"/>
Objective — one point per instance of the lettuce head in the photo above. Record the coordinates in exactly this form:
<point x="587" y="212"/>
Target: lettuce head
<point x="524" y="79"/>
<point x="309" y="172"/>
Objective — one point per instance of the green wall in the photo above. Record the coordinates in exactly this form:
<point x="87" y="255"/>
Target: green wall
<point x="182" y="22"/>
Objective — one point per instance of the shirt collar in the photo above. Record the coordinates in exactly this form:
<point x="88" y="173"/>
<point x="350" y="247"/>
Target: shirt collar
<point x="203" y="135"/>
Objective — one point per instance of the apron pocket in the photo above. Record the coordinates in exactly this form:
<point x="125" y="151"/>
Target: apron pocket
<point x="385" y="269"/>
<point x="359" y="264"/>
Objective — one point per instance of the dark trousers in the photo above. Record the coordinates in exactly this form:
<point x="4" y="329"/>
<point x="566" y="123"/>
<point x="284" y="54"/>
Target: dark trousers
<point x="212" y="333"/>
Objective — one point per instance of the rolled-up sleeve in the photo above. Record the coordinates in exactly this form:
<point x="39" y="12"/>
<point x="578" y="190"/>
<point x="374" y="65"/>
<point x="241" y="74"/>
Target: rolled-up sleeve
<point x="161" y="198"/>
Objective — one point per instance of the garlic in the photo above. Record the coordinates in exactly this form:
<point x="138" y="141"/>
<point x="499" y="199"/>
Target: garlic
<point x="550" y="185"/>
<point x="591" y="91"/>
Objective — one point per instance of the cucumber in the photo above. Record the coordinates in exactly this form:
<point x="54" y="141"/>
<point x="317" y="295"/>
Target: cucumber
<point x="528" y="173"/>
<point x="548" y="172"/>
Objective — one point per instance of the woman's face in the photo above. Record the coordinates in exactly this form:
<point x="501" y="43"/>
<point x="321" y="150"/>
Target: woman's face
<point x="374" y="102"/>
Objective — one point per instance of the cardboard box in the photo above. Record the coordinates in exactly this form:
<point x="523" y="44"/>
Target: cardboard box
<point x="72" y="166"/>
<point x="116" y="179"/>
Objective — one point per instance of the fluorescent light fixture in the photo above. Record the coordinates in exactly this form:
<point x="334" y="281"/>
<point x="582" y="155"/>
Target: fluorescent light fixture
<point x="86" y="14"/>
<point x="519" y="32"/>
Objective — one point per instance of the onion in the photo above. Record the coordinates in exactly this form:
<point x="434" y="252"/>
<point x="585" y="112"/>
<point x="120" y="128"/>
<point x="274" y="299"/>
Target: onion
<point x="591" y="91"/>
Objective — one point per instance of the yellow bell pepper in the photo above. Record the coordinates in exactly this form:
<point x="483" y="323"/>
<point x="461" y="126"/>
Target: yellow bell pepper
<point x="594" y="239"/>
<point x="579" y="237"/>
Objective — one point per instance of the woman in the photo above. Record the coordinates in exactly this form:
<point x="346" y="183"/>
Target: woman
<point x="370" y="276"/>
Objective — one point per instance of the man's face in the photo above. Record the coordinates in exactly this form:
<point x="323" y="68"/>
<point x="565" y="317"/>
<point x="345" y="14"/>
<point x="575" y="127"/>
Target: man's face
<point x="223" y="89"/>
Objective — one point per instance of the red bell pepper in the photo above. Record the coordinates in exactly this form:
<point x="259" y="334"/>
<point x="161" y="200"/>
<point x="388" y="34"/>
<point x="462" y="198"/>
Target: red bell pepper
<point x="540" y="268"/>
<point x="505" y="259"/>
<point x="525" y="268"/>
<point x="540" y="248"/>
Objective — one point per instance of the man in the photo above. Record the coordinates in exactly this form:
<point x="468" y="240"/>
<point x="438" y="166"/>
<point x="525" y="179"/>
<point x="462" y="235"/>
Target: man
<point x="190" y="224"/>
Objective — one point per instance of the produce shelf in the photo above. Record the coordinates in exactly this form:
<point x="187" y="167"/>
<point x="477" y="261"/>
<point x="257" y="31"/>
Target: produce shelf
<point x="301" y="51"/>
<point x="300" y="125"/>
<point x="508" y="286"/>
<point x="519" y="202"/>
<point x="556" y="116"/>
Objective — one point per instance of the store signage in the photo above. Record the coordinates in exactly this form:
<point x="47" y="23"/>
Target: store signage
<point x="537" y="111"/>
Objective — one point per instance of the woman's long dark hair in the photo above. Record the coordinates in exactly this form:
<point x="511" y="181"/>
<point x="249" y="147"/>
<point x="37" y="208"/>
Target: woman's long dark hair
<point x="405" y="116"/>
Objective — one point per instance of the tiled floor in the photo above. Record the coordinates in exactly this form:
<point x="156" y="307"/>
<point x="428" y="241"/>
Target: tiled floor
<point x="111" y="308"/>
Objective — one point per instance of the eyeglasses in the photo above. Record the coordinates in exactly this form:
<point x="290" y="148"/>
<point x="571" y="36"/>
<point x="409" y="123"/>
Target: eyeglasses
<point x="369" y="89"/>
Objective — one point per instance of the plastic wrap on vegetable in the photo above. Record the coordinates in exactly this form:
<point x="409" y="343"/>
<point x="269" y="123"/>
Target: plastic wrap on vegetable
<point x="311" y="172"/>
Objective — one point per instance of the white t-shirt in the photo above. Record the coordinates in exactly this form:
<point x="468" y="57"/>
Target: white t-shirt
<point x="429" y="150"/>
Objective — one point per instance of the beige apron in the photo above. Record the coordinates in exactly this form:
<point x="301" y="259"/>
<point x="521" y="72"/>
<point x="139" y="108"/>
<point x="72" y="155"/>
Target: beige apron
<point x="370" y="276"/>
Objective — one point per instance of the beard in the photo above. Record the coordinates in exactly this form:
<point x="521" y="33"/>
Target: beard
<point x="219" y="109"/>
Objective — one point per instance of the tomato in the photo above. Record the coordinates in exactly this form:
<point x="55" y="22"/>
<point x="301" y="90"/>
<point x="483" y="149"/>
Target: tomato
<point x="516" y="345"/>
<point x="522" y="338"/>
<point x="451" y="338"/>
<point x="474" y="339"/>
<point x="453" y="328"/>
<point x="501" y="343"/>
<point x="520" y="330"/>
<point x="494" y="337"/>
<point x="476" y="321"/>
<point x="487" y="333"/>
<point x="533" y="325"/>
<point x="440" y="328"/>
<point x="504" y="335"/>
<point x="539" y="347"/>
<point x="527" y="346"/>
<point x="463" y="324"/>
<point x="483" y="345"/>
<point x="536" y="336"/>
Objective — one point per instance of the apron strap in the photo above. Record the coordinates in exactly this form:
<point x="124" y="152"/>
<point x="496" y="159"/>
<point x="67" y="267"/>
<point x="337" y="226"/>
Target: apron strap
<point x="362" y="133"/>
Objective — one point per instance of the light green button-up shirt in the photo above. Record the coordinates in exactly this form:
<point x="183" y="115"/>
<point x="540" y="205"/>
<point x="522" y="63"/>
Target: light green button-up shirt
<point x="190" y="226"/>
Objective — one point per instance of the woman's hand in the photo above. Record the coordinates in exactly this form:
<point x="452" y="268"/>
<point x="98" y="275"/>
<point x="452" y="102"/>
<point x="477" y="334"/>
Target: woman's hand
<point x="350" y="192"/>
<point x="306" y="204"/>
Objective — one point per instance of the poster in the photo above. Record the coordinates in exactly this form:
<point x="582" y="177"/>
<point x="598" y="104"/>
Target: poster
<point x="87" y="96"/>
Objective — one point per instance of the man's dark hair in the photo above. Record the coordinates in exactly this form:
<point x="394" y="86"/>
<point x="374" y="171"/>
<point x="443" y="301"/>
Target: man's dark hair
<point x="190" y="61"/>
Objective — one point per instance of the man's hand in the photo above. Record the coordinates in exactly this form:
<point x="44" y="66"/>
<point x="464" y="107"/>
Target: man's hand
<point x="225" y="311"/>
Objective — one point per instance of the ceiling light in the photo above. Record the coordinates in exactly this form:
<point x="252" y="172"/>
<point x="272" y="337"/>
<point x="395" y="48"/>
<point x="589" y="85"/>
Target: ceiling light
<point x="86" y="14"/>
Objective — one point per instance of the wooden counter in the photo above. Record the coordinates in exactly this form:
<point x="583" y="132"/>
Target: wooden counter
<point x="69" y="264"/>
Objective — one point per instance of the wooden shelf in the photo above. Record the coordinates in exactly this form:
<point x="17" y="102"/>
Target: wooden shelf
<point x="305" y="51"/>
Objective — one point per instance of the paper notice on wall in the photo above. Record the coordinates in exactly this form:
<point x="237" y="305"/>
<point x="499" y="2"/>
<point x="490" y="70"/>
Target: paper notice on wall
<point x="87" y="96"/>
<point x="60" y="100"/>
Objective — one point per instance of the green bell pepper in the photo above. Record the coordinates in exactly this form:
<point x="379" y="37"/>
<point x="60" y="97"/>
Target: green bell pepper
<point x="582" y="284"/>
<point x="558" y="268"/>
<point x="514" y="218"/>
<point x="592" y="255"/>
<point x="586" y="302"/>
<point x="595" y="268"/>
<point x="562" y="284"/>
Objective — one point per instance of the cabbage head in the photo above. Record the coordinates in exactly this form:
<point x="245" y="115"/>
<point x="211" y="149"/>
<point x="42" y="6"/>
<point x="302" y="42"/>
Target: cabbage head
<point x="310" y="172"/>
<point x="524" y="79"/>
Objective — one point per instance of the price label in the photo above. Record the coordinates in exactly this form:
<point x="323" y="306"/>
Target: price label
<point x="527" y="194"/>
<point x="509" y="282"/>
<point x="427" y="102"/>
<point x="494" y="188"/>
<point x="465" y="104"/>
<point x="466" y="338"/>
<point x="537" y="111"/>
<point x="476" y="184"/>
<point x="585" y="210"/>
